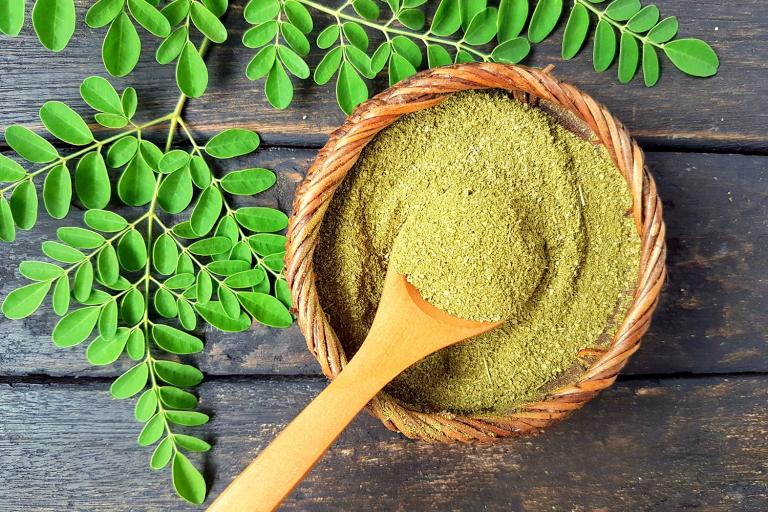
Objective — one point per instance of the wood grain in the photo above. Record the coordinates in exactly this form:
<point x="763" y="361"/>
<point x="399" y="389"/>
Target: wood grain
<point x="713" y="316"/>
<point x="727" y="112"/>
<point x="689" y="443"/>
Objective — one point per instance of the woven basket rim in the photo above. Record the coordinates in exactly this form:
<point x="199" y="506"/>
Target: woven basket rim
<point x="424" y="90"/>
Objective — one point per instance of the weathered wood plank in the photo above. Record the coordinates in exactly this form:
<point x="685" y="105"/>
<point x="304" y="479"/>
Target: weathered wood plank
<point x="713" y="316"/>
<point x="726" y="112"/>
<point x="71" y="447"/>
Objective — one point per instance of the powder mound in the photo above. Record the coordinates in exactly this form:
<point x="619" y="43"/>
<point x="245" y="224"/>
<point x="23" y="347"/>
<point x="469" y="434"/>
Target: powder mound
<point x="514" y="216"/>
<point x="469" y="254"/>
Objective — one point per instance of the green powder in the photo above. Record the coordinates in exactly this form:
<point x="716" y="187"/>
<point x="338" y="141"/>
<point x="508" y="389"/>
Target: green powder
<point x="493" y="211"/>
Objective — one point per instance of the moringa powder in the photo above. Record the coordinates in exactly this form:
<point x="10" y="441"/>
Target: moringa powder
<point x="493" y="211"/>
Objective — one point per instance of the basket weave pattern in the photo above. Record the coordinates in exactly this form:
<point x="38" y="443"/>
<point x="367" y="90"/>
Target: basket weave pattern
<point x="424" y="90"/>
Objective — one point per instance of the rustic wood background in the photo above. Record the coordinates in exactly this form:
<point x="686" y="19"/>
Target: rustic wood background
<point x="685" y="427"/>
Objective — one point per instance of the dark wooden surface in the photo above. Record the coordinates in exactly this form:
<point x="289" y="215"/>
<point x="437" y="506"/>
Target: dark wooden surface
<point x="684" y="428"/>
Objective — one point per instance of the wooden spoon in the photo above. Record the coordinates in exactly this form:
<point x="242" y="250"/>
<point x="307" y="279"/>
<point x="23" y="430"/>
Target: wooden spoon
<point x="406" y="329"/>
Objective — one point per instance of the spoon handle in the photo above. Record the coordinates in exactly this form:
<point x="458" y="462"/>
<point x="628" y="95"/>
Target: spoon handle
<point x="279" y="468"/>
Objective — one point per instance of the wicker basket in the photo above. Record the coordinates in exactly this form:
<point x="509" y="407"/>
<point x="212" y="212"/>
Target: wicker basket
<point x="422" y="91"/>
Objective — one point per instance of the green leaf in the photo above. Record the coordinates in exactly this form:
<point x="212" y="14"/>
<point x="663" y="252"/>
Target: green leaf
<point x="412" y="18"/>
<point x="175" y="192"/>
<point x="650" y="65"/>
<point x="24" y="205"/>
<point x="79" y="237"/>
<point x="261" y="219"/>
<point x="173" y="161"/>
<point x="146" y="406"/>
<point x="122" y="47"/>
<point x="151" y="153"/>
<point x="267" y="243"/>
<point x="692" y="56"/>
<point x="229" y="302"/>
<point x="622" y="10"/>
<point x="175" y="341"/>
<point x="131" y="382"/>
<point x="266" y="309"/>
<point x="180" y="280"/>
<point x="191" y="443"/>
<point x="164" y="303"/>
<point x="92" y="181"/>
<point x="60" y="298"/>
<point x="278" y="87"/>
<point x="575" y="31"/>
<point x="103" y="12"/>
<point x="111" y="120"/>
<point x="206" y="211"/>
<point x="136" y="185"/>
<point x="293" y="62"/>
<point x="24" y="301"/>
<point x="298" y="15"/>
<point x="380" y="57"/>
<point x="191" y="72"/>
<point x="261" y="63"/>
<point x="211" y="246"/>
<point x="258" y="36"/>
<point x="83" y="283"/>
<point x="447" y="18"/>
<point x="248" y="181"/>
<point x="469" y="8"/>
<point x="368" y="9"/>
<point x="328" y="66"/>
<point x="178" y="374"/>
<point x="106" y="221"/>
<point x="213" y="313"/>
<point x="545" y="17"/>
<point x="604" y="49"/>
<point x="11" y="17"/>
<point x="132" y="251"/>
<point x="187" y="480"/>
<point x="187" y="418"/>
<point x="204" y="287"/>
<point x="65" y="124"/>
<point x="165" y="254"/>
<point x="437" y="56"/>
<point x="102" y="352"/>
<point x="63" y="253"/>
<point x="108" y="266"/>
<point x="7" y="226"/>
<point x="482" y="28"/>
<point x="75" y="327"/>
<point x="149" y="17"/>
<point x="162" y="454"/>
<point x="40" y="271"/>
<point x="232" y="142"/>
<point x="664" y="30"/>
<point x="328" y="36"/>
<point x="246" y="279"/>
<point x="629" y="57"/>
<point x="122" y="150"/>
<point x="259" y="11"/>
<point x="227" y="267"/>
<point x="135" y="346"/>
<point x="644" y="20"/>
<point x="275" y="261"/>
<point x="408" y="49"/>
<point x="187" y="317"/>
<point x="217" y="7"/>
<point x="171" y="47"/>
<point x="132" y="307"/>
<point x="57" y="192"/>
<point x="153" y="430"/>
<point x="176" y="398"/>
<point x="201" y="174"/>
<point x="350" y="88"/>
<point x="129" y="102"/>
<point x="360" y="60"/>
<point x="283" y="293"/>
<point x="356" y="35"/>
<point x="399" y="68"/>
<point x="207" y="23"/>
<point x="100" y="95"/>
<point x="511" y="51"/>
<point x="108" y="321"/>
<point x="30" y="145"/>
<point x="54" y="22"/>
<point x="10" y="170"/>
<point x="512" y="17"/>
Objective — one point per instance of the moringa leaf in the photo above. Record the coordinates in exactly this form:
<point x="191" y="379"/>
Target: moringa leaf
<point x="299" y="16"/>
<point x="259" y="11"/>
<point x="75" y="327"/>
<point x="604" y="49"/>
<point x="437" y="56"/>
<point x="108" y="265"/>
<point x="153" y="430"/>
<point x="63" y="253"/>
<point x="512" y="17"/>
<point x="327" y="37"/>
<point x="11" y="17"/>
<point x="54" y="22"/>
<point x="171" y="47"/>
<point x="57" y="192"/>
<point x="122" y="46"/>
<point x="261" y="219"/>
<point x="575" y="31"/>
<point x="65" y="124"/>
<point x="191" y="72"/>
<point x="511" y="51"/>
<point x="80" y="237"/>
<point x="692" y="56"/>
<point x="175" y="341"/>
<point x="482" y="28"/>
<point x="178" y="374"/>
<point x="149" y="17"/>
<point x="146" y="405"/>
<point x="644" y="19"/>
<point x="165" y="254"/>
<point x="103" y="12"/>
<point x="187" y="418"/>
<point x="328" y="66"/>
<point x="175" y="192"/>
<point x="206" y="211"/>
<point x="545" y="17"/>
<point x="278" y="87"/>
<point x="629" y="57"/>
<point x="295" y="39"/>
<point x="108" y="321"/>
<point x="258" y="36"/>
<point x="99" y="94"/>
<point x="7" y="226"/>
<point x="622" y="10"/>
<point x="191" y="443"/>
<point x="261" y="63"/>
<point x="356" y="35"/>
<point x="130" y="382"/>
<point x="106" y="221"/>
<point x="132" y="250"/>
<point x="136" y="185"/>
<point x="232" y="142"/>
<point x="92" y="181"/>
<point x="122" y="150"/>
<point x="187" y="480"/>
<point x="350" y="88"/>
<point x="83" y="283"/>
<point x="30" y="145"/>
<point x="102" y="352"/>
<point x="663" y="31"/>
<point x="266" y="309"/>
<point x="40" y="271"/>
<point x="368" y="9"/>
<point x="24" y="205"/>
<point x="162" y="454"/>
<point x="24" y="301"/>
<point x="213" y="313"/>
<point x="650" y="65"/>
<point x="248" y="181"/>
<point x="60" y="298"/>
<point x="469" y="8"/>
<point x="447" y="18"/>
<point x="208" y="23"/>
<point x="177" y="398"/>
<point x="293" y="62"/>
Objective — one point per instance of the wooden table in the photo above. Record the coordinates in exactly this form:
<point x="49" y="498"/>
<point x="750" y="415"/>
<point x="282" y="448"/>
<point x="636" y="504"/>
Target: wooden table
<point x="686" y="426"/>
